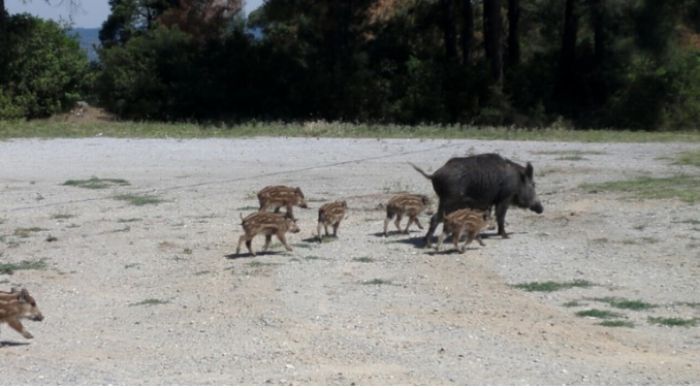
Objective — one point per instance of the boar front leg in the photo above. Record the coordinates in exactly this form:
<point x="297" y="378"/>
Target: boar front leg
<point x="280" y="236"/>
<point x="17" y="325"/>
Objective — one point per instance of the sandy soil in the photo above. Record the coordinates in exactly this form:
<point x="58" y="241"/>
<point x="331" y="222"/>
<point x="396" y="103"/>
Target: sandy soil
<point x="316" y="315"/>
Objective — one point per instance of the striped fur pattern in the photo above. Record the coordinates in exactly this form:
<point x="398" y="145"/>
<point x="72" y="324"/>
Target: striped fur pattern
<point x="331" y="214"/>
<point x="281" y="196"/>
<point x="16" y="305"/>
<point x="410" y="205"/>
<point x="464" y="220"/>
<point x="267" y="224"/>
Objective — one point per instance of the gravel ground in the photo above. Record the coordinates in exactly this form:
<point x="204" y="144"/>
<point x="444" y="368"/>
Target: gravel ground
<point x="154" y="295"/>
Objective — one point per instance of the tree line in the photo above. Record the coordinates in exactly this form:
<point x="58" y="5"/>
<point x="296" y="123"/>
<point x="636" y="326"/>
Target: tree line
<point x="583" y="63"/>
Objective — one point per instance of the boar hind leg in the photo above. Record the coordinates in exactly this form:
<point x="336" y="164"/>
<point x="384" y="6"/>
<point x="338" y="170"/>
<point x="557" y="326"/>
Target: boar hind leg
<point x="415" y="219"/>
<point x="441" y="238"/>
<point x="249" y="245"/>
<point x="268" y="239"/>
<point x="318" y="232"/>
<point x="17" y="325"/>
<point x="386" y="224"/>
<point x="281" y="237"/>
<point x="470" y="238"/>
<point x="501" y="210"/>
<point x="397" y="222"/>
<point x="240" y="241"/>
<point x="477" y="237"/>
<point x="335" y="229"/>
<point x="434" y="221"/>
<point x="455" y="239"/>
<point x="411" y="219"/>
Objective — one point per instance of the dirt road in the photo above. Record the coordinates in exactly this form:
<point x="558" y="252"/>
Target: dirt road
<point x="153" y="295"/>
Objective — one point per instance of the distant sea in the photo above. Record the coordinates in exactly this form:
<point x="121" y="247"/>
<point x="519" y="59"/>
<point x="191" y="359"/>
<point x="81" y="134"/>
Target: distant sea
<point x="89" y="39"/>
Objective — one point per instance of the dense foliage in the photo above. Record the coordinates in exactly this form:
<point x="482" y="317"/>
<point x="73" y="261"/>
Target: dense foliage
<point x="42" y="69"/>
<point x="584" y="63"/>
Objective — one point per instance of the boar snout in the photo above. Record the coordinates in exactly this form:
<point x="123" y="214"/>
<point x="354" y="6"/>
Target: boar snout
<point x="38" y="318"/>
<point x="537" y="208"/>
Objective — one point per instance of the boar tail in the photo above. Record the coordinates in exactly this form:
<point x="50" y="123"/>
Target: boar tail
<point x="425" y="174"/>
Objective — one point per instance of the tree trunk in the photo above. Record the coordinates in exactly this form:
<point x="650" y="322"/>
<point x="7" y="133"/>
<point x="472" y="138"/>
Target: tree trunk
<point x="449" y="29"/>
<point x="467" y="32"/>
<point x="513" y="33"/>
<point x="492" y="38"/>
<point x="598" y="22"/>
<point x="567" y="59"/>
<point x="3" y="12"/>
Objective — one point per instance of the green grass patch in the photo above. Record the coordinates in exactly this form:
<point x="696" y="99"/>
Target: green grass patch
<point x="129" y="129"/>
<point x="595" y="313"/>
<point x="131" y="265"/>
<point x="150" y="302"/>
<point x="62" y="216"/>
<point x="311" y="258"/>
<point x="378" y="282"/>
<point x="363" y="259"/>
<point x="689" y="158"/>
<point x="127" y="220"/>
<point x="26" y="232"/>
<point x="616" y="323"/>
<point x="260" y="264"/>
<point x="688" y="221"/>
<point x="200" y="273"/>
<point x="551" y="286"/>
<point x="626" y="304"/>
<point x="249" y="208"/>
<point x="572" y="158"/>
<point x="565" y="153"/>
<point x="10" y="268"/>
<point x="96" y="183"/>
<point x="573" y="303"/>
<point x="139" y="200"/>
<point x="303" y="245"/>
<point x="683" y="187"/>
<point x="673" y="321"/>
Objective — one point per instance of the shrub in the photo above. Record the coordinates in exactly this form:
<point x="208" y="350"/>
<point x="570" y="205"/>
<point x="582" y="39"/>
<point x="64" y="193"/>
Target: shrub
<point x="42" y="69"/>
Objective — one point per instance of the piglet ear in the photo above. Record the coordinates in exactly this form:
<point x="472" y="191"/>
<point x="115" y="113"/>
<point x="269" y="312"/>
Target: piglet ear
<point x="529" y="171"/>
<point x="24" y="295"/>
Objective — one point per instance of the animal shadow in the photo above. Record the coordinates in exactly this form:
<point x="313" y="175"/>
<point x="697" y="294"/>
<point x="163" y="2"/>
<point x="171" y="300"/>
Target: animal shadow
<point x="233" y="256"/>
<point x="12" y="343"/>
<point x="417" y="241"/>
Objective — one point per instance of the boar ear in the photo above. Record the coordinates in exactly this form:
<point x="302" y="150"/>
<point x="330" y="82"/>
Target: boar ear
<point x="24" y="295"/>
<point x="529" y="171"/>
<point x="345" y="204"/>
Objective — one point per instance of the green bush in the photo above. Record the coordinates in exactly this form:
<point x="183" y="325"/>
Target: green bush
<point x="42" y="69"/>
<point x="147" y="77"/>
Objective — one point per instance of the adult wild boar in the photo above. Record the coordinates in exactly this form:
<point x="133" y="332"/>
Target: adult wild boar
<point x="479" y="182"/>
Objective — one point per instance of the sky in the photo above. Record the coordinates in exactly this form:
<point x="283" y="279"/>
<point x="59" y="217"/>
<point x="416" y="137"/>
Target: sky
<point x="90" y="14"/>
